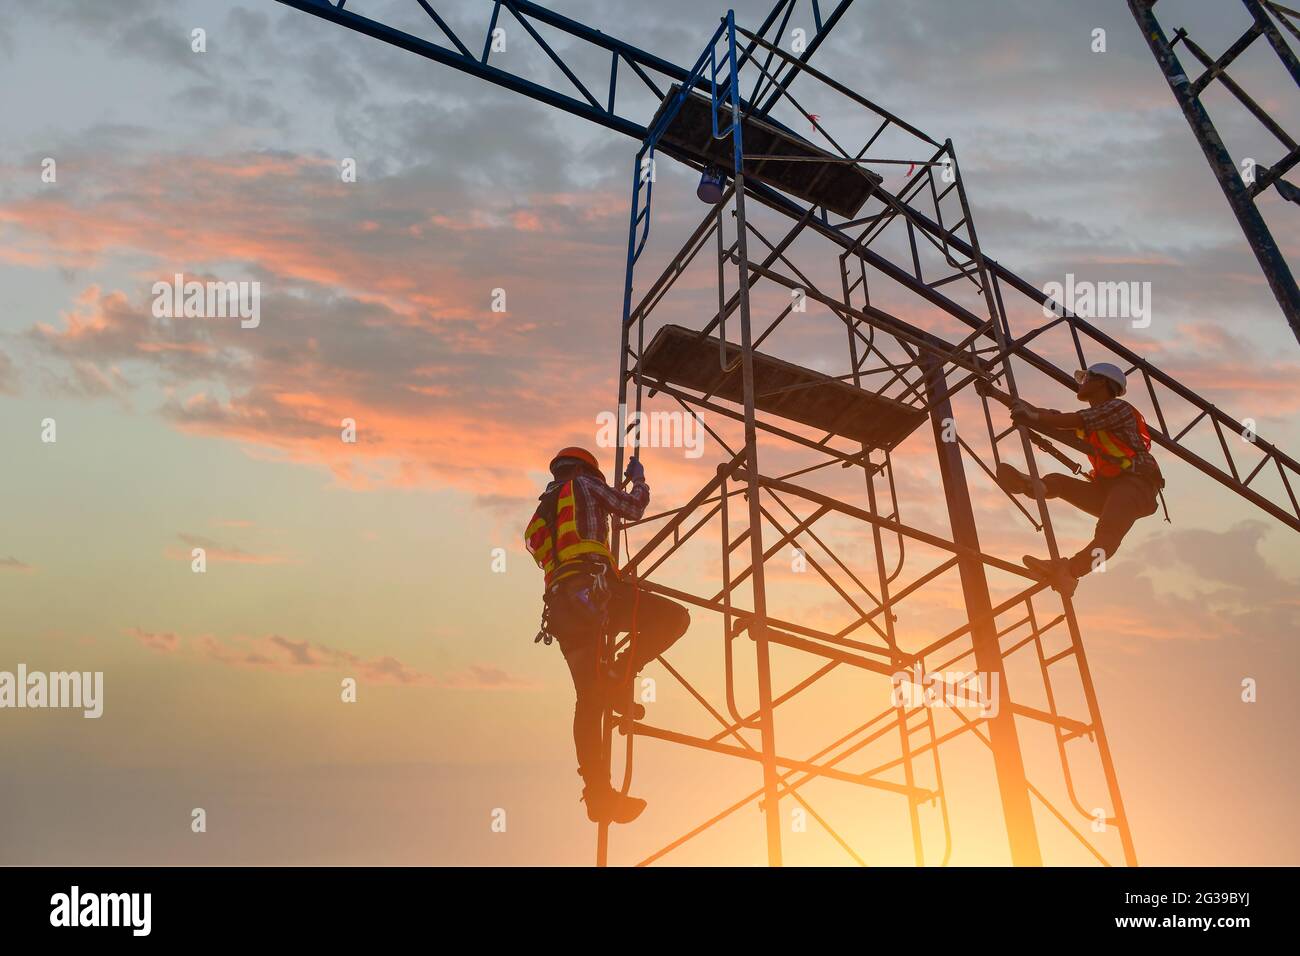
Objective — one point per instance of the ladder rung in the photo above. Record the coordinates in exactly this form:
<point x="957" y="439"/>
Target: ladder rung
<point x="1047" y="662"/>
<point x="1218" y="66"/>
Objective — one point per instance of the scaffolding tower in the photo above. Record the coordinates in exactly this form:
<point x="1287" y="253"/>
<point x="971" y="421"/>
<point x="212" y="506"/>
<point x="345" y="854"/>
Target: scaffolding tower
<point x="927" y="329"/>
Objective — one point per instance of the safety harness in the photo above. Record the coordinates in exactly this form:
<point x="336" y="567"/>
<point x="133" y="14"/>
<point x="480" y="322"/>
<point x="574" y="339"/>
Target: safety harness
<point x="553" y="540"/>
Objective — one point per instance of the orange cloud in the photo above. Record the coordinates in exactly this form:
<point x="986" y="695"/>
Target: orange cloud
<point x="359" y="323"/>
<point x="219" y="552"/>
<point x="162" y="642"/>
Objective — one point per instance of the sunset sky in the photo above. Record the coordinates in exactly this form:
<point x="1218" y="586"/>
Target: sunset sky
<point x="374" y="560"/>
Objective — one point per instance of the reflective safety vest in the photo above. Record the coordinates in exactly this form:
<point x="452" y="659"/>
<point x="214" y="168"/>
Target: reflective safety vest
<point x="1113" y="457"/>
<point x="557" y="547"/>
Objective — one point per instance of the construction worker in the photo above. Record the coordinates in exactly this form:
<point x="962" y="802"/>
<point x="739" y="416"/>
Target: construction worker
<point x="1124" y="481"/>
<point x="568" y="537"/>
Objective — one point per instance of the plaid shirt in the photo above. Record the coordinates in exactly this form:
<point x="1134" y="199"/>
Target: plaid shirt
<point x="1117" y="417"/>
<point x="595" y="501"/>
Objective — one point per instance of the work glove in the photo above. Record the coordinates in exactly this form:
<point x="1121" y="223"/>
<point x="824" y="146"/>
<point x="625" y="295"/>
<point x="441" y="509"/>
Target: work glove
<point x="1022" y="413"/>
<point x="635" y="470"/>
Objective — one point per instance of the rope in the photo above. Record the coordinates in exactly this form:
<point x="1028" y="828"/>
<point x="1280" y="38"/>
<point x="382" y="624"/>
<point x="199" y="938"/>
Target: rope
<point x="628" y="675"/>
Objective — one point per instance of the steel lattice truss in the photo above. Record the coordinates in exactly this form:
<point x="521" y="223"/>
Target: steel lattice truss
<point x="594" y="69"/>
<point x="1241" y="188"/>
<point x="897" y="304"/>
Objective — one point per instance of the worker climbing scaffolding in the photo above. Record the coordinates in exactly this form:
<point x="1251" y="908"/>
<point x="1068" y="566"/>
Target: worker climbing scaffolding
<point x="585" y="598"/>
<point x="1122" y="486"/>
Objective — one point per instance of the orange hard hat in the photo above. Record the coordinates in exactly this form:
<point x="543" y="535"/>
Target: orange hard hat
<point x="578" y="454"/>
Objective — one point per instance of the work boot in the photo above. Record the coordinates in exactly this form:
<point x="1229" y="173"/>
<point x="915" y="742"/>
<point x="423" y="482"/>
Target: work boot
<point x="607" y="805"/>
<point x="1056" y="573"/>
<point x="616" y="694"/>
<point x="620" y="705"/>
<point x="1015" y="482"/>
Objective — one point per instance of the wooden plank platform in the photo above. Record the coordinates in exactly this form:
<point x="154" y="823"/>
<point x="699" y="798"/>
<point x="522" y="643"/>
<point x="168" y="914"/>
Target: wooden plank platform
<point x="679" y="356"/>
<point x="840" y="187"/>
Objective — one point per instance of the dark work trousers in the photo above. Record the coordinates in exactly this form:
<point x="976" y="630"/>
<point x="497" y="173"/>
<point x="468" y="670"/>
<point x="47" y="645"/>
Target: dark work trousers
<point x="1116" y="502"/>
<point x="659" y="623"/>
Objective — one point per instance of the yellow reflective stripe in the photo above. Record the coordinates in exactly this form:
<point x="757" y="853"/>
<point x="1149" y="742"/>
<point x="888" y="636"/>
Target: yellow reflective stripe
<point x="566" y="501"/>
<point x="585" y="547"/>
<point x="1112" y="447"/>
<point x="562" y="574"/>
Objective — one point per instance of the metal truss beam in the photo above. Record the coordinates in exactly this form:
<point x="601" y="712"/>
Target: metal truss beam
<point x="575" y="97"/>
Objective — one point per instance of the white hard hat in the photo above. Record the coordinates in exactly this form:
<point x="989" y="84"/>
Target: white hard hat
<point x="1105" y="370"/>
